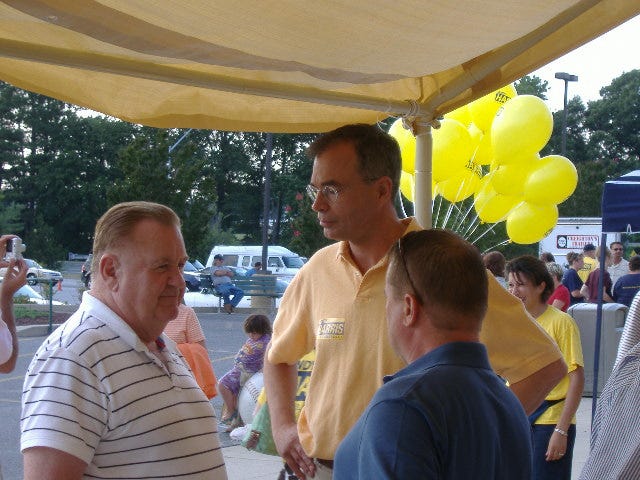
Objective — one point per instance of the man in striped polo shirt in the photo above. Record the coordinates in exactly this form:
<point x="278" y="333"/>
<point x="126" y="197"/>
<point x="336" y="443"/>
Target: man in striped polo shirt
<point x="107" y="395"/>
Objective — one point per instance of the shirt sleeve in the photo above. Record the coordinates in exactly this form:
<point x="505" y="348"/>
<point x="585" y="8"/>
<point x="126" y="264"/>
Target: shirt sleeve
<point x="6" y="342"/>
<point x="193" y="328"/>
<point x="517" y="346"/>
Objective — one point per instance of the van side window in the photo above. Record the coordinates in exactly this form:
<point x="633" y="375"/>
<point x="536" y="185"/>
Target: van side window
<point x="275" y="262"/>
<point x="246" y="261"/>
<point x="231" y="260"/>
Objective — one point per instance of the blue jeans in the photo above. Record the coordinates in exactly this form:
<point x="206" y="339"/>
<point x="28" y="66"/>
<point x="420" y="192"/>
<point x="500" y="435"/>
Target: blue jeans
<point x="556" y="469"/>
<point x="230" y="293"/>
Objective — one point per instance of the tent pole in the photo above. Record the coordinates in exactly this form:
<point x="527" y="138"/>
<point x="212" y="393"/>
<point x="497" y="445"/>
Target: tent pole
<point x="423" y="172"/>
<point x="596" y="351"/>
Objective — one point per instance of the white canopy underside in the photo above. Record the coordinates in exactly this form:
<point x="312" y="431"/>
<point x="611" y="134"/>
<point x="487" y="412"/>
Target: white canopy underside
<point x="288" y="65"/>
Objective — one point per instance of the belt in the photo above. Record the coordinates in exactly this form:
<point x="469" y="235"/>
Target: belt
<point x="326" y="463"/>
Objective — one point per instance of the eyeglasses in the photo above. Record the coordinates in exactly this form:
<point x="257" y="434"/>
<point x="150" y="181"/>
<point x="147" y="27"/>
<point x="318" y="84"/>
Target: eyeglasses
<point x="616" y="249"/>
<point x="330" y="192"/>
<point x="404" y="264"/>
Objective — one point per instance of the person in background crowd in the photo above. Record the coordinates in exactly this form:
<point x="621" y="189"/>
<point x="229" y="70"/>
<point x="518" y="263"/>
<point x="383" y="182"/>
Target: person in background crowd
<point x="628" y="285"/>
<point x="571" y="279"/>
<point x="417" y="424"/>
<point x="619" y="266"/>
<point x="221" y="280"/>
<point x="560" y="298"/>
<point x="249" y="360"/>
<point x="553" y="423"/>
<point x="590" y="288"/>
<point x="256" y="268"/>
<point x="186" y="331"/>
<point x="495" y="262"/>
<point x="335" y="305"/>
<point x="590" y="262"/>
<point x="547" y="257"/>
<point x="14" y="277"/>
<point x="106" y="396"/>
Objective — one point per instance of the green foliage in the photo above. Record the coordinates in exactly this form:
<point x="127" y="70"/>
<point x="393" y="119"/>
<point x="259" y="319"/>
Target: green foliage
<point x="306" y="234"/>
<point x="532" y="85"/>
<point x="41" y="243"/>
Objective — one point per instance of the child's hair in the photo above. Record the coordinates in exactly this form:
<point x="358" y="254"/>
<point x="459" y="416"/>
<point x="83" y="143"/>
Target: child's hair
<point x="257" y="324"/>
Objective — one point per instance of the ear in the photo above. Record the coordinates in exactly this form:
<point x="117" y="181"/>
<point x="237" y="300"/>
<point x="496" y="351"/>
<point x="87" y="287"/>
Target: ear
<point x="385" y="187"/>
<point x="410" y="309"/>
<point x="109" y="269"/>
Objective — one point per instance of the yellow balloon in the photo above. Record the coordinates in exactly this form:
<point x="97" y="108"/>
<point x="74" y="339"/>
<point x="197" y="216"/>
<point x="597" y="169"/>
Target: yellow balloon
<point x="461" y="186"/>
<point x="483" y="154"/>
<point x="523" y="126"/>
<point x="510" y="179"/>
<point x="484" y="109"/>
<point x="461" y="114"/>
<point x="452" y="148"/>
<point x="407" y="143"/>
<point x="407" y="185"/>
<point x="553" y="180"/>
<point x="530" y="223"/>
<point x="490" y="206"/>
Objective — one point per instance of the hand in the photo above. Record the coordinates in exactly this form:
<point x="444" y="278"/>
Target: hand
<point x="3" y="248"/>
<point x="14" y="278"/>
<point x="289" y="447"/>
<point x="557" y="447"/>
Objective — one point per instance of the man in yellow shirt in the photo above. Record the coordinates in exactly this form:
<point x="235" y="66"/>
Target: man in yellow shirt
<point x="590" y="261"/>
<point x="336" y="305"/>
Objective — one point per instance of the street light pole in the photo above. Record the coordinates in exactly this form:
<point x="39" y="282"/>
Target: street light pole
<point x="567" y="78"/>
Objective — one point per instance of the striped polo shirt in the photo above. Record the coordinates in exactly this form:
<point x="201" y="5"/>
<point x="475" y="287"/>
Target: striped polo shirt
<point x="95" y="391"/>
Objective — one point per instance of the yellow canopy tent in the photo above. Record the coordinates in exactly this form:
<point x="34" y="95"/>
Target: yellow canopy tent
<point x="289" y="65"/>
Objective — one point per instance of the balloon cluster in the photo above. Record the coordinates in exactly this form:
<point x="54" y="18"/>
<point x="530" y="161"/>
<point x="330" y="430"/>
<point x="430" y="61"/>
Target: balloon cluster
<point x="489" y="150"/>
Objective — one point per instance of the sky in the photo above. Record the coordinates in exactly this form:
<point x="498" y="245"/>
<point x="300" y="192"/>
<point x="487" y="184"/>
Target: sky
<point x="596" y="64"/>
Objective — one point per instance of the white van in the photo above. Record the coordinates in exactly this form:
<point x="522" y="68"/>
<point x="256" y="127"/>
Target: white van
<point x="281" y="261"/>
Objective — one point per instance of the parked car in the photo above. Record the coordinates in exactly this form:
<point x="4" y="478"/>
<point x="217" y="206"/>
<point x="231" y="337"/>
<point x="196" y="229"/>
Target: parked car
<point x="85" y="274"/>
<point x="37" y="272"/>
<point x="191" y="277"/>
<point x="197" y="263"/>
<point x="32" y="296"/>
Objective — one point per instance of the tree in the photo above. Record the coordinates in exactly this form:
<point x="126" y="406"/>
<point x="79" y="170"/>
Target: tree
<point x="146" y="172"/>
<point x="532" y="85"/>
<point x="614" y="120"/>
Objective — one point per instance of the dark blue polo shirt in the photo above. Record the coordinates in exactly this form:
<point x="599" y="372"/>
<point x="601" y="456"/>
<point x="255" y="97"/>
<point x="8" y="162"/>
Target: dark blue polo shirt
<point x="445" y="416"/>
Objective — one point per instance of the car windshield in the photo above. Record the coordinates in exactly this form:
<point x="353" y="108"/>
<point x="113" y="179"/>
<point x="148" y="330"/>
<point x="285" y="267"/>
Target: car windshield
<point x="27" y="291"/>
<point x="190" y="267"/>
<point x="197" y="264"/>
<point x="293" y="262"/>
<point x="32" y="263"/>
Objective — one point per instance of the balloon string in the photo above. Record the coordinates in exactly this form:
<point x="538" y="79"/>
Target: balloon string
<point x="489" y="229"/>
<point x="404" y="213"/>
<point x="504" y="242"/>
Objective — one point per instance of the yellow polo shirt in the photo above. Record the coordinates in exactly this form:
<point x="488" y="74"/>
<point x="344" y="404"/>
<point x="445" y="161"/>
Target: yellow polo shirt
<point x="332" y="308"/>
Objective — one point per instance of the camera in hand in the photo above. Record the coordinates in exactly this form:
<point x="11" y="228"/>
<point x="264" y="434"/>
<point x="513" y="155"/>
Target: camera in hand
<point x="15" y="247"/>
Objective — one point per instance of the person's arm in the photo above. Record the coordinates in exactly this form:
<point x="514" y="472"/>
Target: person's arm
<point x="14" y="278"/>
<point x="280" y="382"/>
<point x="532" y="390"/>
<point x="43" y="463"/>
<point x="584" y="292"/>
<point x="605" y="296"/>
<point x="557" y="303"/>
<point x="558" y="442"/>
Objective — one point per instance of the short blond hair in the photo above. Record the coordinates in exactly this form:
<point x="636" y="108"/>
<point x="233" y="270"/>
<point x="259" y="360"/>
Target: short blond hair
<point x="118" y="222"/>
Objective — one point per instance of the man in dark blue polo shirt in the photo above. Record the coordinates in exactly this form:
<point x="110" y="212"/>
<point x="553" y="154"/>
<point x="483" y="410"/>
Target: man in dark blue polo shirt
<point x="447" y="415"/>
<point x="628" y="285"/>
